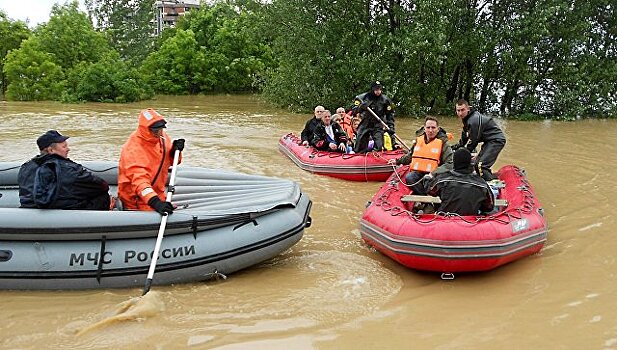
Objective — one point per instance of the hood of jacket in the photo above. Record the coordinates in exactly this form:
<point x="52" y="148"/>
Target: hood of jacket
<point x="147" y="117"/>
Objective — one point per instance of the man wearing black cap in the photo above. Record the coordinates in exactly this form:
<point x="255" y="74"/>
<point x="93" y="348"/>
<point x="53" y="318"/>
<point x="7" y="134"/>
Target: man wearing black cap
<point x="461" y="190"/>
<point x="52" y="181"/>
<point x="369" y="126"/>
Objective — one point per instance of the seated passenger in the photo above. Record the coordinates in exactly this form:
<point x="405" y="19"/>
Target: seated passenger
<point x="461" y="190"/>
<point x="431" y="153"/>
<point x="309" y="127"/>
<point x="345" y="122"/>
<point x="329" y="136"/>
<point x="51" y="180"/>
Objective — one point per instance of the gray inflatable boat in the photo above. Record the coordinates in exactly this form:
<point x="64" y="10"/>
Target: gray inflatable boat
<point x="224" y="222"/>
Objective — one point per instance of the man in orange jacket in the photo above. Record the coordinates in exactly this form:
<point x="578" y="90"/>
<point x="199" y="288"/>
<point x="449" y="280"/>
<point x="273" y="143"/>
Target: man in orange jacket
<point x="144" y="162"/>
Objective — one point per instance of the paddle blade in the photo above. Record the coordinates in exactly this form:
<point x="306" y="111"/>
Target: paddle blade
<point x="147" y="286"/>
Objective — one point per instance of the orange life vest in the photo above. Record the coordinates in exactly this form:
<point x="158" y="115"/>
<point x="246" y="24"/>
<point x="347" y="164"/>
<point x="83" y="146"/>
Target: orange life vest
<point x="345" y="123"/>
<point x="426" y="156"/>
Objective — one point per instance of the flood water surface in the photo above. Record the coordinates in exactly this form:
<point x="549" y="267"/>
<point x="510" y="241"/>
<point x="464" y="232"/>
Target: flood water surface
<point x="331" y="291"/>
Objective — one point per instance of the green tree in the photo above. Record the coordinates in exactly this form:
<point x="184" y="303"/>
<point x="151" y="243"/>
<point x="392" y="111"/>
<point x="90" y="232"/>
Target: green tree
<point x="70" y="36"/>
<point x="108" y="80"/>
<point x="177" y="67"/>
<point x="32" y="73"/>
<point x="12" y="34"/>
<point x="127" y="24"/>
<point x="213" y="49"/>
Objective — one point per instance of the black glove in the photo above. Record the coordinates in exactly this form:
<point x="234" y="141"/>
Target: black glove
<point x="364" y="106"/>
<point x="390" y="132"/>
<point x="160" y="206"/>
<point x="177" y="145"/>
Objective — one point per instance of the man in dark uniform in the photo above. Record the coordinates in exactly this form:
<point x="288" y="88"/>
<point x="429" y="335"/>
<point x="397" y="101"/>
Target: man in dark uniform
<point x="51" y="180"/>
<point x="370" y="127"/>
<point x="480" y="128"/>
<point x="460" y="190"/>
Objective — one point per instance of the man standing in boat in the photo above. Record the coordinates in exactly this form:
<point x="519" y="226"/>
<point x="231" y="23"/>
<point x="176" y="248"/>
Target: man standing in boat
<point x="144" y="162"/>
<point x="369" y="126"/>
<point x="311" y="124"/>
<point x="480" y="128"/>
<point x="431" y="154"/>
<point x="52" y="181"/>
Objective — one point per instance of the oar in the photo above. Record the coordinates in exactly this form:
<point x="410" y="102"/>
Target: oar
<point x="387" y="128"/>
<point x="159" y="238"/>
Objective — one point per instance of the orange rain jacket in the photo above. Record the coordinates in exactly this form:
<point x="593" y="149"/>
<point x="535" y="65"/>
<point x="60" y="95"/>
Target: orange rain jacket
<point x="142" y="157"/>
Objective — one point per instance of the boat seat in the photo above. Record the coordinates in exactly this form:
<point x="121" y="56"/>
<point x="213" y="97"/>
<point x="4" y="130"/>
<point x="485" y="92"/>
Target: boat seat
<point x="437" y="200"/>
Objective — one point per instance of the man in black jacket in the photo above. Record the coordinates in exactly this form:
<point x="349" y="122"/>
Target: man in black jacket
<point x="311" y="124"/>
<point x="329" y="136"/>
<point x="480" y="128"/>
<point x="370" y="127"/>
<point x="52" y="181"/>
<point x="460" y="190"/>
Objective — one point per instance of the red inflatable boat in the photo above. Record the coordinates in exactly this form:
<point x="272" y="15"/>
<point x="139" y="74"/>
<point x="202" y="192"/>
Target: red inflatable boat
<point x="372" y="166"/>
<point x="451" y="243"/>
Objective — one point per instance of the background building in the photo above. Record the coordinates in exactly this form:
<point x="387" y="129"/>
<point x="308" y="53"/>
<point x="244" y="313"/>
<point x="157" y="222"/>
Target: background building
<point x="168" y="12"/>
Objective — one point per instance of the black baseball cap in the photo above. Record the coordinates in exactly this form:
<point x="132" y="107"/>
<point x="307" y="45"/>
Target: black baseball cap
<point x="51" y="136"/>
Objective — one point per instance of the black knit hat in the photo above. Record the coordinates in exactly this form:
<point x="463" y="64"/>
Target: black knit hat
<point x="462" y="160"/>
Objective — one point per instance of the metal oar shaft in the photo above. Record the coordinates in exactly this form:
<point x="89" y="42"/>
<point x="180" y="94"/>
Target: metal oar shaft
<point x="159" y="237"/>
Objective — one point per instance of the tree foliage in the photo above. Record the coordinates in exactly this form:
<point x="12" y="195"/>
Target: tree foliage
<point x="211" y="50"/>
<point x="531" y="58"/>
<point x="12" y="34"/>
<point x="127" y="25"/>
<point x="66" y="59"/>
<point x="551" y="58"/>
<point x="33" y="73"/>
<point x="70" y="37"/>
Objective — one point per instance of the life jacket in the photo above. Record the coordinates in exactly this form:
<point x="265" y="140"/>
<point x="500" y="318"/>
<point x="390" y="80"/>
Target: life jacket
<point x="425" y="156"/>
<point x="345" y="123"/>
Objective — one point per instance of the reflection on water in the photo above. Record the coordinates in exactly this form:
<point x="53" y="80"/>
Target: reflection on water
<point x="331" y="291"/>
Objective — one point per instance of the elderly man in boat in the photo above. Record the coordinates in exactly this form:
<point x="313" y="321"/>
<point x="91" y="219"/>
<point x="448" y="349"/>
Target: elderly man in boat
<point x="52" y="181"/>
<point x="311" y="124"/>
<point x="144" y="160"/>
<point x="431" y="154"/>
<point x="329" y="136"/>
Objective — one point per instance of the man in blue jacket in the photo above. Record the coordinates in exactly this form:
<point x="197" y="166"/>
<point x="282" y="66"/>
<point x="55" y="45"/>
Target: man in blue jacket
<point x="51" y="180"/>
